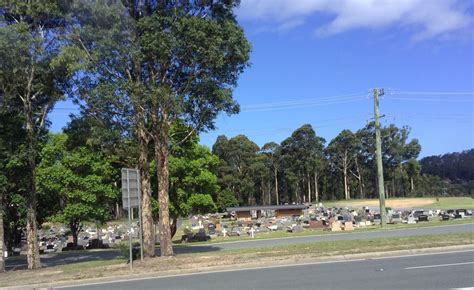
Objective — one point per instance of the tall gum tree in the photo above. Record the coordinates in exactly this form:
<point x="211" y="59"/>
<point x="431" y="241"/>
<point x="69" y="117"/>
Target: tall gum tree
<point x="29" y="72"/>
<point x="167" y="61"/>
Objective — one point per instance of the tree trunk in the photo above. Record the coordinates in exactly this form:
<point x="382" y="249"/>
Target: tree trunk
<point x="275" y="172"/>
<point x="144" y="168"/>
<point x="33" y="257"/>
<point x="346" y="193"/>
<point x="316" y="191"/>
<point x="309" y="187"/>
<point x="2" y="247"/>
<point x="161" y="140"/>
<point x="174" y="226"/>
<point x="359" y="179"/>
<point x="75" y="233"/>
<point x="412" y="186"/>
<point x="344" y="171"/>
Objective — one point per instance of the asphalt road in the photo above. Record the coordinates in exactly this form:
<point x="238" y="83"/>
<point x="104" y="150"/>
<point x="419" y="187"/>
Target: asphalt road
<point x="430" y="271"/>
<point x="91" y="255"/>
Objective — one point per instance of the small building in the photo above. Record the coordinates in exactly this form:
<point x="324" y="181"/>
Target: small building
<point x="279" y="211"/>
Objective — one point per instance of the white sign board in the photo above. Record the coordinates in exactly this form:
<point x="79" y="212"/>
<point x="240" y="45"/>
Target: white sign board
<point x="130" y="188"/>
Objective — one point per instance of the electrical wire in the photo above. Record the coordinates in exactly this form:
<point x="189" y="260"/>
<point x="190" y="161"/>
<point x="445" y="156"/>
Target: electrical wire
<point x="302" y="101"/>
<point x="303" y="105"/>
<point x="431" y="93"/>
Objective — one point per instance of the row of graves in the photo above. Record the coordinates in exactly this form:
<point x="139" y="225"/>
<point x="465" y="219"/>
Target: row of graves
<point x="57" y="238"/>
<point x="252" y="221"/>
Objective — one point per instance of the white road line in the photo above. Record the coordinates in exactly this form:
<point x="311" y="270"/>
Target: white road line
<point x="251" y="268"/>
<point x="441" y="265"/>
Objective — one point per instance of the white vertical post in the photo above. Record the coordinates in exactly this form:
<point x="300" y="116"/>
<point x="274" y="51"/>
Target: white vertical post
<point x="129" y="221"/>
<point x="140" y="214"/>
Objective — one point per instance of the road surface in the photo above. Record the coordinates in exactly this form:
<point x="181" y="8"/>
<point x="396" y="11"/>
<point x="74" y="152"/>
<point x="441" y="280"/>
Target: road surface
<point x="429" y="271"/>
<point x="91" y="255"/>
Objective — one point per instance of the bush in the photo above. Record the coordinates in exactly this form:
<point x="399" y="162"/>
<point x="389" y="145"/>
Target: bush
<point x="124" y="249"/>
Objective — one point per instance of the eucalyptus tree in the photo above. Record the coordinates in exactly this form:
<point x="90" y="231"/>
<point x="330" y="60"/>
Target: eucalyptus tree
<point x="161" y="62"/>
<point x="272" y="150"/>
<point x="237" y="155"/>
<point x="413" y="169"/>
<point x="33" y="79"/>
<point x="342" y="153"/>
<point x="304" y="153"/>
<point x="397" y="149"/>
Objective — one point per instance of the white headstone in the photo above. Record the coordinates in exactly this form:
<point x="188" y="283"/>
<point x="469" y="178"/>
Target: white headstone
<point x="252" y="231"/>
<point x="224" y="232"/>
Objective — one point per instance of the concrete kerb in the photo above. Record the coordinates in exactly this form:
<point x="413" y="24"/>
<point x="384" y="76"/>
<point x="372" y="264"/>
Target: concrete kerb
<point x="249" y="266"/>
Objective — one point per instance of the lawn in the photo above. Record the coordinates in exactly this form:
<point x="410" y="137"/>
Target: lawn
<point x="317" y="232"/>
<point x="452" y="203"/>
<point x="418" y="202"/>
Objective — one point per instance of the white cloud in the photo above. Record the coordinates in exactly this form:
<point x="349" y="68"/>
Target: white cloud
<point x="429" y="18"/>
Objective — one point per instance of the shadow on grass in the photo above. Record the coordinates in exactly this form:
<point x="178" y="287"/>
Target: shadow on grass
<point x="71" y="257"/>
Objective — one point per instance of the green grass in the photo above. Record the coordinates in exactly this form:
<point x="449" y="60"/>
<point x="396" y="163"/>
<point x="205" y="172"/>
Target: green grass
<point x="452" y="203"/>
<point x="441" y="203"/>
<point x="361" y="246"/>
<point x="309" y="232"/>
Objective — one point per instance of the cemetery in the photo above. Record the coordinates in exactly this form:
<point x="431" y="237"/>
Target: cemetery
<point x="241" y="223"/>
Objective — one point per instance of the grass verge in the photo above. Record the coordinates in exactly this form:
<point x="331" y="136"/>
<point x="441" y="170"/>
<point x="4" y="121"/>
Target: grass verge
<point x="228" y="258"/>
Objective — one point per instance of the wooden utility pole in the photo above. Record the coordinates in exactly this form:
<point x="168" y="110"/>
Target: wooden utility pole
<point x="378" y="155"/>
<point x="2" y="260"/>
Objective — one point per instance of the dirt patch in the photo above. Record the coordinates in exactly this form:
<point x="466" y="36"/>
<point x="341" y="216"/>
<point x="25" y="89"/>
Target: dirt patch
<point x="395" y="203"/>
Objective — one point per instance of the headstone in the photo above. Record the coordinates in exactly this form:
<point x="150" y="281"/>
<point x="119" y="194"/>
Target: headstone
<point x="422" y="218"/>
<point x="445" y="217"/>
<point x="335" y="227"/>
<point x="218" y="227"/>
<point x="411" y="220"/>
<point x="316" y="225"/>
<point x="273" y="227"/>
<point x="211" y="229"/>
<point x="252" y="231"/>
<point x="224" y="232"/>
<point x="297" y="229"/>
<point x="348" y="226"/>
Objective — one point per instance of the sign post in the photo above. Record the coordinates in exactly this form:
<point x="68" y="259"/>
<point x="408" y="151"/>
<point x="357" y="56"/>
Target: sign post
<point x="131" y="198"/>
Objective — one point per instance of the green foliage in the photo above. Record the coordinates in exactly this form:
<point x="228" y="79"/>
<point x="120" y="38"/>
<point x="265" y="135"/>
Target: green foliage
<point x="192" y="180"/>
<point x="237" y="155"/>
<point x="124" y="249"/>
<point x="226" y="198"/>
<point x="201" y="204"/>
<point x="81" y="179"/>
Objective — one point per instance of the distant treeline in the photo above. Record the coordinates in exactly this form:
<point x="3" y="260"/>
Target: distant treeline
<point x="457" y="166"/>
<point x="303" y="168"/>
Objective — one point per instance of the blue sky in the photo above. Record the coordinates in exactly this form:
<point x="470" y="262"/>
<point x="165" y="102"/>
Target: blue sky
<point x="316" y="61"/>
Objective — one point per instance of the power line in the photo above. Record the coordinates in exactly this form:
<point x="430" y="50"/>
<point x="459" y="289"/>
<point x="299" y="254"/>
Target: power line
<point x="302" y="101"/>
<point x="303" y="105"/>
<point x="430" y="100"/>
<point x="431" y="93"/>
